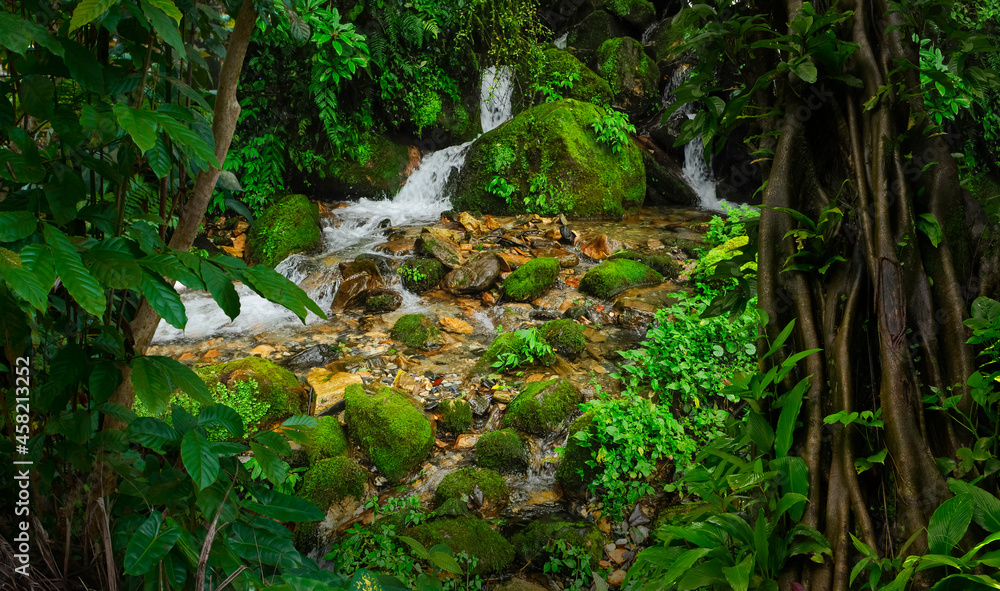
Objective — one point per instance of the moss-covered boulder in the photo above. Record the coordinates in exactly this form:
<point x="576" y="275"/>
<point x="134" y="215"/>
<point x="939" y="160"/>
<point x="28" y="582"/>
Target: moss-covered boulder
<point x="558" y="66"/>
<point x="593" y="30"/>
<point x="419" y="275"/>
<point x="291" y="225"/>
<point x="381" y="170"/>
<point x="663" y="264"/>
<point x="332" y="480"/>
<point x="396" y="436"/>
<point x="456" y="416"/>
<point x="503" y="451"/>
<point x="416" y="331"/>
<point x="278" y="389"/>
<point x="573" y="474"/>
<point x="380" y="301"/>
<point x="461" y="484"/>
<point x="565" y="336"/>
<point x="665" y="184"/>
<point x="551" y="158"/>
<point x="326" y="440"/>
<point x="637" y="13"/>
<point x="472" y="535"/>
<point x="516" y="344"/>
<point x="610" y="278"/>
<point x="542" y="406"/>
<point x="531" y="279"/>
<point x="634" y="77"/>
<point x="440" y="247"/>
<point x="530" y="543"/>
<point x="670" y="33"/>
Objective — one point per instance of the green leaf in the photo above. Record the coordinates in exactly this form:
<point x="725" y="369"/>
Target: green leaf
<point x="139" y="124"/>
<point x="279" y="289"/>
<point x="114" y="268"/>
<point x="150" y="544"/>
<point x="739" y="576"/>
<point x="223" y="416"/>
<point x="26" y="285"/>
<point x="153" y="433"/>
<point x="786" y="420"/>
<point x="760" y="431"/>
<point x="104" y="380"/>
<point x="159" y="157"/>
<point x="15" y="225"/>
<point x="221" y="288"/>
<point x="166" y="26"/>
<point x="281" y="507"/>
<point x="949" y="523"/>
<point x="199" y="459"/>
<point x="928" y="224"/>
<point x="164" y="299"/>
<point x="183" y="377"/>
<point x="185" y="138"/>
<point x="150" y="384"/>
<point x="274" y="442"/>
<point x="38" y="259"/>
<point x="415" y="546"/>
<point x="64" y="193"/>
<point x="169" y="8"/>
<point x="270" y="464"/>
<point x="36" y="93"/>
<point x="170" y="266"/>
<point x="445" y="561"/>
<point x="805" y="70"/>
<point x="82" y="65"/>
<point x="78" y="281"/>
<point x="87" y="11"/>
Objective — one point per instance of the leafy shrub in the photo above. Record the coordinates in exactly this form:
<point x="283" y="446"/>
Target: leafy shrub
<point x="532" y="348"/>
<point x="613" y="129"/>
<point x="243" y="397"/>
<point x="731" y="224"/>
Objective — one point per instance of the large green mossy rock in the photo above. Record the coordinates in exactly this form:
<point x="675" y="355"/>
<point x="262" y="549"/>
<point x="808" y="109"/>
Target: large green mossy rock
<point x="593" y="30"/>
<point x="634" y="77"/>
<point x="382" y="173"/>
<point x="530" y="543"/>
<point x="504" y="345"/>
<point x="416" y="331"/>
<point x="637" y="13"/>
<point x="277" y="387"/>
<point x="559" y="65"/>
<point x="396" y="436"/>
<point x="462" y="484"/>
<point x="503" y="451"/>
<point x="669" y="35"/>
<point x="610" y="278"/>
<point x="326" y="440"/>
<point x="531" y="279"/>
<point x="542" y="406"/>
<point x="565" y="336"/>
<point x="472" y="535"/>
<point x="332" y="480"/>
<point x="456" y="416"/>
<point x="289" y="226"/>
<point x="573" y="474"/>
<point x="663" y="264"/>
<point x="551" y="158"/>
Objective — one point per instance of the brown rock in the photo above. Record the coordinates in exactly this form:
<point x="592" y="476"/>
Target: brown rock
<point x="489" y="298"/>
<point x="567" y="259"/>
<point x="397" y="246"/>
<point x="600" y="247"/>
<point x="186" y="357"/>
<point x="471" y="223"/>
<point x="514" y="260"/>
<point x="466" y="441"/>
<point x="618" y="555"/>
<point x="328" y="387"/>
<point x="211" y="355"/>
<point x="413" y="161"/>
<point x="262" y="351"/>
<point x="566" y="305"/>
<point x="455" y="325"/>
<point x="475" y="276"/>
<point x="441" y="248"/>
<point x="616" y="578"/>
<point x="360" y="278"/>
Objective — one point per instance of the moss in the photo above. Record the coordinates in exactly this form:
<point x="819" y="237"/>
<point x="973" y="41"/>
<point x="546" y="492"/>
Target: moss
<point x="663" y="264"/>
<point x="382" y="173"/>
<point x="542" y="406"/>
<point x="290" y="225"/>
<point x="277" y="387"/>
<point x="472" y="535"/>
<point x="419" y="275"/>
<point x="461" y="484"/>
<point x="671" y="33"/>
<point x="416" y="331"/>
<point x="558" y="166"/>
<point x="326" y="440"/>
<point x="530" y="543"/>
<point x="634" y="78"/>
<point x="565" y="336"/>
<point x="638" y="13"/>
<point x="396" y="435"/>
<point x="332" y="480"/>
<point x="559" y="65"/>
<point x="531" y="279"/>
<point x="503" y="451"/>
<point x="610" y="278"/>
<point x="380" y="303"/>
<point x="306" y="536"/>
<point x="593" y="30"/>
<point x="456" y="416"/>
<point x="573" y="473"/>
<point x="987" y="191"/>
<point x="502" y="346"/>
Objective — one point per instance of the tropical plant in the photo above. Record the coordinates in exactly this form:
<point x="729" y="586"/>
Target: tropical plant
<point x="614" y="129"/>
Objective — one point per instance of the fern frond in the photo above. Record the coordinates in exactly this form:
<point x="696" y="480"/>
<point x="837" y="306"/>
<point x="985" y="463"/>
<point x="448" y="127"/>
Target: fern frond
<point x="412" y="30"/>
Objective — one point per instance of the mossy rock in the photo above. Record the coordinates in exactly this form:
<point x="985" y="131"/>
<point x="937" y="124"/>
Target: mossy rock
<point x="459" y="119"/>
<point x="671" y="33"/>
<point x="456" y="416"/>
<point x="637" y="13"/>
<point x="416" y="331"/>
<point x="634" y="77"/>
<point x="665" y="184"/>
<point x="503" y="451"/>
<point x="277" y="387"/>
<point x="542" y="406"/>
<point x="531" y="279"/>
<point x="306" y="536"/>
<point x="472" y="535"/>
<point x="380" y="301"/>
<point x="610" y="278"/>
<point x="326" y="440"/>
<point x="565" y="336"/>
<point x="505" y="344"/>
<point x="593" y="30"/>
<point x="396" y="436"/>
<point x="530" y="543"/>
<point x="663" y="264"/>
<point x="559" y="65"/>
<point x="332" y="480"/>
<point x="462" y="483"/>
<point x="552" y="159"/>
<point x="574" y="475"/>
<point x="289" y="226"/>
<point x="381" y="174"/>
<point x="422" y="274"/>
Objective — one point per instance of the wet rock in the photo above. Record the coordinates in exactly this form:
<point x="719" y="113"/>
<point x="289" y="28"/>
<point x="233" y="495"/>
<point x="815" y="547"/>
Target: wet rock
<point x="530" y="543"/>
<point x="441" y="248"/>
<point x="456" y="326"/>
<point x="380" y="301"/>
<point x="503" y="451"/>
<point x="456" y="416"/>
<point x="331" y="480"/>
<point x="326" y="440"/>
<point x="479" y="274"/>
<point x="398" y="246"/>
<point x="503" y="396"/>
<point x="328" y="387"/>
<point x="315" y="356"/>
<point x="466" y="442"/>
<point x="565" y="336"/>
<point x="531" y="279"/>
<point x="480" y="404"/>
<point x="616" y="578"/>
<point x="593" y="30"/>
<point x="262" y="351"/>
<point x="396" y="436"/>
<point x="482" y="487"/>
<point x="277" y="388"/>
<point x="648" y="299"/>
<point x="636" y="13"/>
<point x="600" y="247"/>
<point x="505" y="345"/>
<point x="517" y="584"/>
<point x="291" y="225"/>
<point x="470" y="223"/>
<point x="610" y="278"/>
<point x="574" y="474"/>
<point x="384" y="263"/>
<point x="420" y="275"/>
<point x="513" y="261"/>
<point x="471" y="535"/>
<point x="417" y="331"/>
<point x="634" y="77"/>
<point x="663" y="264"/>
<point x="542" y="407"/>
<point x="359" y="278"/>
<point x="567" y="259"/>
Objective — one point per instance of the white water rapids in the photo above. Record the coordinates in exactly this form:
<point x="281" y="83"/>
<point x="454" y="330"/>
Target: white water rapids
<point x="696" y="170"/>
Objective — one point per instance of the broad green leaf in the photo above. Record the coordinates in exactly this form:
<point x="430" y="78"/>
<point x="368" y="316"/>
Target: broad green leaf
<point x="104" y="380"/>
<point x="118" y="411"/>
<point x="963" y="582"/>
<point x="739" y="576"/>
<point x="169" y="8"/>
<point x="274" y="442"/>
<point x="113" y="268"/>
<point x="87" y="11"/>
<point x="270" y="464"/>
<point x="159" y="157"/>
<point x="168" y="265"/>
<point x="928" y="224"/>
<point x="15" y="225"/>
<point x="987" y="511"/>
<point x="760" y="431"/>
<point x="165" y="25"/>
<point x="151" y="384"/>
<point x="795" y="480"/>
<point x="782" y="337"/>
<point x="445" y="561"/>
<point x="150" y="544"/>
<point x="183" y="377"/>
<point x="261" y="545"/>
<point x="223" y="416"/>
<point x="199" y="459"/>
<point x="786" y="420"/>
<point x="14" y="35"/>
<point x="281" y="507"/>
<point x="221" y="288"/>
<point x="414" y="545"/>
<point x="683" y="563"/>
<point x="186" y="139"/>
<point x="64" y="193"/>
<point x="279" y="289"/>
<point x="139" y="124"/>
<point x="164" y="299"/>
<point x="806" y="70"/>
<point x="78" y="281"/>
<point x="949" y="523"/>
<point x="153" y="433"/>
<point x="82" y="65"/>
<point x="26" y="285"/>
<point x="36" y="93"/>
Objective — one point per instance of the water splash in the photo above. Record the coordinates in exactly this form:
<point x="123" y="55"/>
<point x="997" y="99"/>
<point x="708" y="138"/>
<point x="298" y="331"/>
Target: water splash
<point x="494" y="97"/>
<point x="648" y="33"/>
<point x="560" y="43"/>
<point x="696" y="171"/>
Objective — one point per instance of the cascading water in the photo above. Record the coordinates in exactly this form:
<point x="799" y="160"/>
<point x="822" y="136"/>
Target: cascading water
<point x="696" y="171"/>
<point x="494" y="97"/>
<point x="560" y="42"/>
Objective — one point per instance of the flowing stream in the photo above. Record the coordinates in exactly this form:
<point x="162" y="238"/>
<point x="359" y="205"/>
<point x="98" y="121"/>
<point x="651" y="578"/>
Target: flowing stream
<point x="697" y="172"/>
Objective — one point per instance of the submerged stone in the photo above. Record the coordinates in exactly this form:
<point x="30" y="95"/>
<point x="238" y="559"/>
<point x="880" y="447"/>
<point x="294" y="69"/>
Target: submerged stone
<point x="396" y="436"/>
<point x="379" y="301"/>
<point x="475" y="276"/>
<point x="359" y="278"/>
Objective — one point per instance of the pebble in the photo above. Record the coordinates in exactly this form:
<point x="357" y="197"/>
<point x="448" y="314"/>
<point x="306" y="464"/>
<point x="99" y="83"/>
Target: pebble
<point x="616" y="578"/>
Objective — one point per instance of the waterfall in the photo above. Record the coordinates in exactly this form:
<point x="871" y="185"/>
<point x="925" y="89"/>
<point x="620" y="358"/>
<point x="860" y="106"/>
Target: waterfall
<point x="560" y="43"/>
<point x="696" y="171"/>
<point x="494" y="97"/>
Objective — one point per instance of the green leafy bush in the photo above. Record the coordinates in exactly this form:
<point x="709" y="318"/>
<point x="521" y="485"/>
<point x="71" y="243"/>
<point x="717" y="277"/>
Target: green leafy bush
<point x="613" y="129"/>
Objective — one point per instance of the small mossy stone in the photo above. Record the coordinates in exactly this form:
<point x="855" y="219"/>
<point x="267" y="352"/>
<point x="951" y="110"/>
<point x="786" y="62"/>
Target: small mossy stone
<point x="542" y="406"/>
<point x="326" y="440"/>
<point x="531" y="279"/>
<point x="574" y="475"/>
<point x="503" y="451"/>
<point x="461" y="484"/>
<point x="663" y="264"/>
<point x="289" y="226"/>
<point x="382" y="300"/>
<point x="416" y="331"/>
<point x="593" y="30"/>
<point x="420" y="275"/>
<point x="565" y="336"/>
<point x="610" y="278"/>
<point x="530" y="543"/>
<point x="632" y="75"/>
<point x="472" y="535"/>
<point x="396" y="436"/>
<point x="277" y="387"/>
<point x="332" y="480"/>
<point x="638" y="13"/>
<point x="380" y="175"/>
<point x="506" y="344"/>
<point x="456" y="416"/>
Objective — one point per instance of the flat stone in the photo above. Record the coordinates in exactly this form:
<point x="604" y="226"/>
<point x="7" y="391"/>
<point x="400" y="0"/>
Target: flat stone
<point x="328" y="387"/>
<point x="618" y="555"/>
<point x="477" y="275"/>
<point x="455" y="325"/>
<point x="600" y="247"/>
<point x="441" y="248"/>
<point x="648" y="299"/>
<point x="212" y="354"/>
<point x="566" y="259"/>
<point x="616" y="578"/>
<point x="514" y="260"/>
<point x="466" y="441"/>
<point x="187" y="357"/>
<point x="398" y="246"/>
<point x="262" y="351"/>
<point x="503" y="396"/>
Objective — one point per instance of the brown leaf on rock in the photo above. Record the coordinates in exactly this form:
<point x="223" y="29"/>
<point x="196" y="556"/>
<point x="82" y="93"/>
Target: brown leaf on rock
<point x="600" y="247"/>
